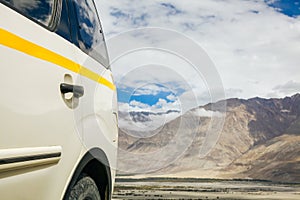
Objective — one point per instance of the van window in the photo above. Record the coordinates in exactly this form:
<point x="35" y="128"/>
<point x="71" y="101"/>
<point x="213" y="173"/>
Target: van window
<point x="91" y="39"/>
<point x="39" y="10"/>
<point x="63" y="28"/>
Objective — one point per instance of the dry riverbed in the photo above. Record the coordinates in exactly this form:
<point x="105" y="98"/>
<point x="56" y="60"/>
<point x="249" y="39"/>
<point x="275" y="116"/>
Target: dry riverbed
<point x="172" y="188"/>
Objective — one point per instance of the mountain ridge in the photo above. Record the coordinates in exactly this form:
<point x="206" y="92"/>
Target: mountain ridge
<point x="251" y="129"/>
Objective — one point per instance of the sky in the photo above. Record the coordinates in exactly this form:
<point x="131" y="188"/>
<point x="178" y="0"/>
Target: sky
<point x="253" y="44"/>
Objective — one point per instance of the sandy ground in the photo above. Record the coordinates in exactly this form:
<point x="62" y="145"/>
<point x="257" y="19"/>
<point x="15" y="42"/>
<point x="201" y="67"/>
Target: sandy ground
<point x="209" y="189"/>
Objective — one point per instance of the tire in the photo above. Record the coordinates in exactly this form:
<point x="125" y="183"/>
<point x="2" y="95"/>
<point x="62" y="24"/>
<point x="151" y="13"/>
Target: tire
<point x="84" y="189"/>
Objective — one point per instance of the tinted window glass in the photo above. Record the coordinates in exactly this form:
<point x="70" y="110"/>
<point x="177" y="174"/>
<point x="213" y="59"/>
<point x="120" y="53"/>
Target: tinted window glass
<point x="40" y="10"/>
<point x="63" y="28"/>
<point x="90" y="33"/>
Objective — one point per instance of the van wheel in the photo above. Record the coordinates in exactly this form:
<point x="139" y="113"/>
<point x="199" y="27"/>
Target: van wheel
<point x="85" y="189"/>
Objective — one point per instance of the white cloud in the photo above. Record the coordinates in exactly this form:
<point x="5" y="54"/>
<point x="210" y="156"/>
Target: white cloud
<point x="137" y="104"/>
<point x="163" y="106"/>
<point x="150" y="89"/>
<point x="201" y="112"/>
<point x="172" y="97"/>
<point x="123" y="107"/>
<point x="289" y="88"/>
<point x="160" y="107"/>
<point x="159" y="115"/>
<point x="254" y="47"/>
<point x="233" y="92"/>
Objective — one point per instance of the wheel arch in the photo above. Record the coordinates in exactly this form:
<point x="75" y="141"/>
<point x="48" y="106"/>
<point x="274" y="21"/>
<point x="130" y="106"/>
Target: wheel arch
<point x="95" y="164"/>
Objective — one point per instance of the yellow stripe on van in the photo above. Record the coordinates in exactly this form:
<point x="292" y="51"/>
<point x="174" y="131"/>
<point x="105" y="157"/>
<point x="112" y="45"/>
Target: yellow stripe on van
<point x="15" y="42"/>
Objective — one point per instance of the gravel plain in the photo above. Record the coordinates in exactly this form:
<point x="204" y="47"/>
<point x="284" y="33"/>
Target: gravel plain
<point x="176" y="189"/>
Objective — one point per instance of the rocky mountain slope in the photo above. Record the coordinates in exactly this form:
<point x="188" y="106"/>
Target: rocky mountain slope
<point x="260" y="139"/>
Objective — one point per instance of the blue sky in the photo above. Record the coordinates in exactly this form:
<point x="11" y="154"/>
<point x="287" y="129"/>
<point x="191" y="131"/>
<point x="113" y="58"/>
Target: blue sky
<point x="149" y="94"/>
<point x="150" y="99"/>
<point x="290" y="8"/>
<point x="254" y="44"/>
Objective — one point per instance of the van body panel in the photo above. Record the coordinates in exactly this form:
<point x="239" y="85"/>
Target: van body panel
<point x="42" y="140"/>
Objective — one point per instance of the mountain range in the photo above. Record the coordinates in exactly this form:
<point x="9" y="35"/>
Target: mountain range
<point x="259" y="139"/>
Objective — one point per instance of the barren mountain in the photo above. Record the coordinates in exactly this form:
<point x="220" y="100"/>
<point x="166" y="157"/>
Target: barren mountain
<point x="260" y="139"/>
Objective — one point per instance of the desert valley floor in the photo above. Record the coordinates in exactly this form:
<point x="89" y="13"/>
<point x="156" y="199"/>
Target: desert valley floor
<point x="204" y="189"/>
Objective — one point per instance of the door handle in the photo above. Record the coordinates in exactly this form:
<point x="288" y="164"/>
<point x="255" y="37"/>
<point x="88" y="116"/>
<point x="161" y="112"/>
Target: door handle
<point x="77" y="90"/>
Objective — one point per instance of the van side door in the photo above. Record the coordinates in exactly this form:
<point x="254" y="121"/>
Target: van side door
<point x="39" y="143"/>
<point x="99" y="103"/>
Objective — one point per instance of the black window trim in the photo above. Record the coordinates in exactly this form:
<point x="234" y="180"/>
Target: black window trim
<point x="54" y="18"/>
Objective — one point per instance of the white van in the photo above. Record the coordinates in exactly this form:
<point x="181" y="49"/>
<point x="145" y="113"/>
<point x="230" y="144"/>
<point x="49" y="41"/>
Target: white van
<point x="58" y="108"/>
